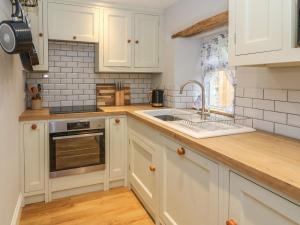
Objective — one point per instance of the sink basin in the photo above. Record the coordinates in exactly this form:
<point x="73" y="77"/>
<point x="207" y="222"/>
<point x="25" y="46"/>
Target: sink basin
<point x="190" y="123"/>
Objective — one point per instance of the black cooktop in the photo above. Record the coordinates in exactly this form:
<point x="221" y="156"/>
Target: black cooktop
<point x="74" y="109"/>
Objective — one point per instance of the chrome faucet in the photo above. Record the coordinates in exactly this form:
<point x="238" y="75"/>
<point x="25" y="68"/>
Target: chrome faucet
<point x="203" y="110"/>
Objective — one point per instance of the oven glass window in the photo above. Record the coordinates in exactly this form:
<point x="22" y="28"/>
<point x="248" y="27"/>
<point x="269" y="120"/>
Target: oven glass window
<point x="77" y="152"/>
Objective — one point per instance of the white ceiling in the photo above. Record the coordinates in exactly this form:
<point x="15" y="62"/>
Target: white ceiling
<point x="155" y="4"/>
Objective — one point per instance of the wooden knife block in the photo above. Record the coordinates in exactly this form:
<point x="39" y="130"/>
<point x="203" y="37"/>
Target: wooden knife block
<point x="120" y="98"/>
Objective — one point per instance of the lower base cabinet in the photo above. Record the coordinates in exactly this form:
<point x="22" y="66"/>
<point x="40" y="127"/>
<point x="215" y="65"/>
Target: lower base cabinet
<point x="251" y="204"/>
<point x="143" y="166"/>
<point x="188" y="187"/>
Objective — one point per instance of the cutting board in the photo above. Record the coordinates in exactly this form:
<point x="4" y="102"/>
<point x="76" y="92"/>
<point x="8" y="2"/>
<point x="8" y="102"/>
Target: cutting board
<point x="106" y="95"/>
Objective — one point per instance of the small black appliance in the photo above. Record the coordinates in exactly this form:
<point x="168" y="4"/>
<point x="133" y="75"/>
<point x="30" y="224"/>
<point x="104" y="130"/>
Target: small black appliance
<point x="157" y="99"/>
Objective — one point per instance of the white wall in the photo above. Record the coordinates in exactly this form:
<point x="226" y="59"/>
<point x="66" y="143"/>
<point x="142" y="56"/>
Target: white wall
<point x="11" y="105"/>
<point x="177" y="53"/>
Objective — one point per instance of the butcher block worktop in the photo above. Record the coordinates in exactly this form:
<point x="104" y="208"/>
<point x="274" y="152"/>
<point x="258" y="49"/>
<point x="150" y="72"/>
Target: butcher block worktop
<point x="270" y="159"/>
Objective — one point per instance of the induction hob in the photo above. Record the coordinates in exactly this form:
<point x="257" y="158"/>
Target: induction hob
<point x="74" y="109"/>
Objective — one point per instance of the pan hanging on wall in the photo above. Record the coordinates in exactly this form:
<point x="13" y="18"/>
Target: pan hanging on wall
<point x="16" y="37"/>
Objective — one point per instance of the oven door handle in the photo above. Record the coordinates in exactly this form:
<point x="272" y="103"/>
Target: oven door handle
<point x="77" y="136"/>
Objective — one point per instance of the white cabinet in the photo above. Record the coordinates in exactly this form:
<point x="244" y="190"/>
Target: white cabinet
<point x="188" y="187"/>
<point x="146" y="41"/>
<point x="262" y="32"/>
<point x="117" y="148"/>
<point x="73" y="23"/>
<point x="129" y="42"/>
<point x="117" y="38"/>
<point x="33" y="151"/>
<point x="39" y="29"/>
<point x="251" y="204"/>
<point x="143" y="168"/>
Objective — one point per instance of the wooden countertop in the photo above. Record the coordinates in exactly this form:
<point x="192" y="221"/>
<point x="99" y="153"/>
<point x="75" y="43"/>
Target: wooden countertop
<point x="270" y="159"/>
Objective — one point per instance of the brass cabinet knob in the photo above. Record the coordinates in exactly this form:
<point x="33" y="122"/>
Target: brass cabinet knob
<point x="152" y="168"/>
<point x="41" y="34"/>
<point x="137" y="42"/>
<point x="74" y="37"/>
<point x="231" y="222"/>
<point x="129" y="41"/>
<point x="181" y="151"/>
<point x="117" y="121"/>
<point x="33" y="126"/>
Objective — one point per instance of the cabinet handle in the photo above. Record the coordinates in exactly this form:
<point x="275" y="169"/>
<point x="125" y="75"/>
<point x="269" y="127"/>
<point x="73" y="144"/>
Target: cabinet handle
<point x="41" y="34"/>
<point x="152" y="168"/>
<point x="129" y="41"/>
<point x="74" y="37"/>
<point x="137" y="42"/>
<point x="181" y="151"/>
<point x="33" y="126"/>
<point x="231" y="222"/>
<point x="117" y="121"/>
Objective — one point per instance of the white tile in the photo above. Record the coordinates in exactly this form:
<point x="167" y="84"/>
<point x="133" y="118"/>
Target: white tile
<point x="294" y="120"/>
<point x="289" y="131"/>
<point x="253" y="93"/>
<point x="287" y="107"/>
<point x="275" y="117"/>
<point x="239" y="111"/>
<point x="263" y="125"/>
<point x="274" y="94"/>
<point x="245" y="102"/>
<point x="294" y="96"/>
<point x="253" y="113"/>
<point x="239" y="92"/>
<point x="264" y="104"/>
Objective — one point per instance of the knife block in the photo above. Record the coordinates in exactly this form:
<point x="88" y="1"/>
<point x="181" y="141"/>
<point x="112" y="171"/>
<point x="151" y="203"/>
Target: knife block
<point x="120" y="98"/>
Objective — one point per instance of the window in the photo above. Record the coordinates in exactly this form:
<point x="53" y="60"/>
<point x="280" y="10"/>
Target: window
<point x="219" y="79"/>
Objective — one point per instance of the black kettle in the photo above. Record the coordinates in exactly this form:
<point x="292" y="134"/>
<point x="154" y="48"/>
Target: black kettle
<point x="157" y="99"/>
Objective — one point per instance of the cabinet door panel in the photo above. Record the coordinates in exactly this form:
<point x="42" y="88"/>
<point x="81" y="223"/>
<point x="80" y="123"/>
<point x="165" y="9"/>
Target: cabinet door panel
<point x="259" y="26"/>
<point x="34" y="157"/>
<point x="38" y="22"/>
<point x="117" y="148"/>
<point x="146" y="41"/>
<point x="142" y="156"/>
<point x="73" y="23"/>
<point x="117" y="38"/>
<point x="251" y="204"/>
<point x="189" y="188"/>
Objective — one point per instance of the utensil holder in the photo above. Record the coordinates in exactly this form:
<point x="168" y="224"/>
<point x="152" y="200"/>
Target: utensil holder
<point x="36" y="104"/>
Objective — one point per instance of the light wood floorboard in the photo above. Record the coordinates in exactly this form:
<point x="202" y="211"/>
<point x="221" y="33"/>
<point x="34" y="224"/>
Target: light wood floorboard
<point x="114" y="207"/>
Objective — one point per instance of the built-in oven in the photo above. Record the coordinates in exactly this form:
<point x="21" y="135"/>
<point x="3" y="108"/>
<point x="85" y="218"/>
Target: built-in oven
<point x="76" y="147"/>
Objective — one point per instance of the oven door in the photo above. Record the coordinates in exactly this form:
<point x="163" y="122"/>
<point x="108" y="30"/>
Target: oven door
<point x="77" y="152"/>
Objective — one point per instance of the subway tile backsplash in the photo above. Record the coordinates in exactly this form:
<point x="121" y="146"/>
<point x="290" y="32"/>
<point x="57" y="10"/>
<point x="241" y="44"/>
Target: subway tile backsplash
<point x="72" y="81"/>
<point x="272" y="110"/>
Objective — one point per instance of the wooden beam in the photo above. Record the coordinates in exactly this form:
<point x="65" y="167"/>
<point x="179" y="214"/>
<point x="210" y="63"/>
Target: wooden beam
<point x="205" y="25"/>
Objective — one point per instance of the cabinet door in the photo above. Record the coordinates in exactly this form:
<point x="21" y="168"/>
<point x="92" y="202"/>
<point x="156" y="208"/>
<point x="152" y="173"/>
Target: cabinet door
<point x="117" y="148"/>
<point x="146" y="41"/>
<point x="143" y="168"/>
<point x="117" y="38"/>
<point x="73" y="23"/>
<point x="259" y="26"/>
<point x="34" y="156"/>
<point x="38" y="22"/>
<point x="188" y="187"/>
<point x="251" y="204"/>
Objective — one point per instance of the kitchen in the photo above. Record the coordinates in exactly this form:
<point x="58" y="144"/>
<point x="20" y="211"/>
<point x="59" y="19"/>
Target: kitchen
<point x="81" y="144"/>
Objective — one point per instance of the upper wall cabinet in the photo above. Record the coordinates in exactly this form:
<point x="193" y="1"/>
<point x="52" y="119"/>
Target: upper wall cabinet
<point x="262" y="32"/>
<point x="129" y="42"/>
<point x="117" y="48"/>
<point x="73" y="23"/>
<point x="38" y="22"/>
<point x="146" y="41"/>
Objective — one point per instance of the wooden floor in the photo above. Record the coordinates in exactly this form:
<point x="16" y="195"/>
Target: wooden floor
<point x="115" y="207"/>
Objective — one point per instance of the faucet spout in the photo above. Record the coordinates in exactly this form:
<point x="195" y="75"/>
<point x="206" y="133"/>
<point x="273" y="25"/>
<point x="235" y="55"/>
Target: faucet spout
<point x="203" y="111"/>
